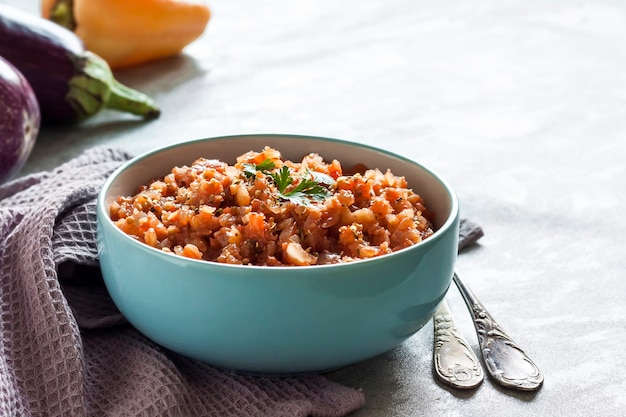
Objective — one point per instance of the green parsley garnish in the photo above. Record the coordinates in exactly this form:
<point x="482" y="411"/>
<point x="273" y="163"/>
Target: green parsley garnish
<point x="250" y="170"/>
<point x="322" y="178"/>
<point x="305" y="189"/>
<point x="311" y="186"/>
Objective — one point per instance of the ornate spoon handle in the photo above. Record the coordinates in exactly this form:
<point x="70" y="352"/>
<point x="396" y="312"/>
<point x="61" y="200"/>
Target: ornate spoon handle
<point x="454" y="360"/>
<point x="505" y="360"/>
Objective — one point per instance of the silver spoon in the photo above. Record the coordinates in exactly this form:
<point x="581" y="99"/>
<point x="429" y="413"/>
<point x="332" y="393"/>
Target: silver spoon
<point x="506" y="362"/>
<point x="454" y="360"/>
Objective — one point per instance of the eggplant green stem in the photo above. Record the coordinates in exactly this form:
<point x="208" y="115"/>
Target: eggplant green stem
<point x="94" y="87"/>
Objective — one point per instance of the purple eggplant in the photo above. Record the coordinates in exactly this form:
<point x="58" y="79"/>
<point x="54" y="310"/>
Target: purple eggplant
<point x="19" y="120"/>
<point x="71" y="83"/>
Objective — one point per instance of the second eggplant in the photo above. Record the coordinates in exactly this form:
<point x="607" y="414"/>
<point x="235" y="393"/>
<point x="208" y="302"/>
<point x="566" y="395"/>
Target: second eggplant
<point x="71" y="83"/>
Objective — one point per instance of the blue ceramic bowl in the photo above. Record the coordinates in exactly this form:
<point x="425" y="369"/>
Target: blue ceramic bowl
<point x="278" y="320"/>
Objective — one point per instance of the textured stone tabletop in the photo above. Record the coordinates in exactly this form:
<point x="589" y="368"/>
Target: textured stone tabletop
<point x="520" y="104"/>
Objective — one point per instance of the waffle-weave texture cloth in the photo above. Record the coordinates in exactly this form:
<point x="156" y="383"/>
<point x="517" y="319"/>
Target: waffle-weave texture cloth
<point x="65" y="350"/>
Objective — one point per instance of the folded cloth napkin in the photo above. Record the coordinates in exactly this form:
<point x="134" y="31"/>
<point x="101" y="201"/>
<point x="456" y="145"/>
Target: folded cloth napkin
<point x="65" y="350"/>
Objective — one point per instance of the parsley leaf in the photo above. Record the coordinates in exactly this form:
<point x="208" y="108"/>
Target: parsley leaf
<point x="311" y="186"/>
<point x="306" y="189"/>
<point x="250" y="170"/>
<point x="322" y="178"/>
<point x="282" y="178"/>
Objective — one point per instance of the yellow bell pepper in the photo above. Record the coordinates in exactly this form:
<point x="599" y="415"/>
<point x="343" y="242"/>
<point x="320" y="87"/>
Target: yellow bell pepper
<point x="131" y="32"/>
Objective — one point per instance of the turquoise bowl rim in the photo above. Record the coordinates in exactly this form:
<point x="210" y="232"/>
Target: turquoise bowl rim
<point x="454" y="208"/>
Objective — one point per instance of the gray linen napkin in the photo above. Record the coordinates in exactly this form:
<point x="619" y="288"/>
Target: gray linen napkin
<point x="65" y="350"/>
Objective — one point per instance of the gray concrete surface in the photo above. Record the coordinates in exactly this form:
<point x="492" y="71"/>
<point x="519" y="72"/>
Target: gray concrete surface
<point x="521" y="105"/>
